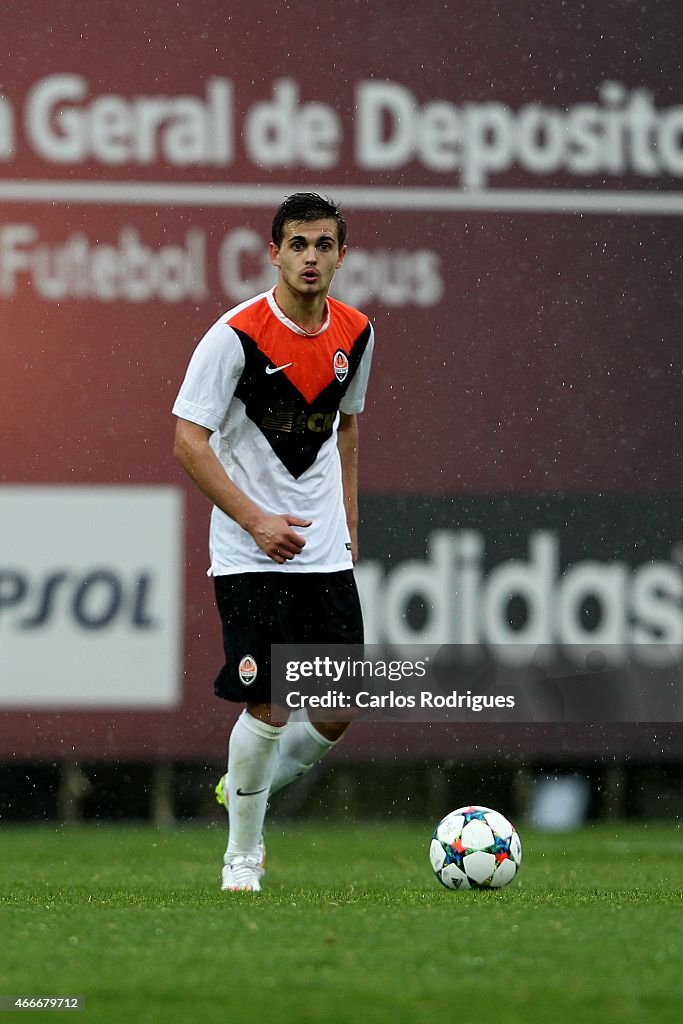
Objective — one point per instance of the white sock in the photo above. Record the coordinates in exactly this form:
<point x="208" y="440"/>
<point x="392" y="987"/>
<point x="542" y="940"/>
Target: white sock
<point x="252" y="757"/>
<point x="301" y="746"/>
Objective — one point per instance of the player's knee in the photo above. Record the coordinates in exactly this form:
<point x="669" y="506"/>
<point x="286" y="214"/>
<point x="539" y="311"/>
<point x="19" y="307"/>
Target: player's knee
<point x="271" y="714"/>
<point x="331" y="730"/>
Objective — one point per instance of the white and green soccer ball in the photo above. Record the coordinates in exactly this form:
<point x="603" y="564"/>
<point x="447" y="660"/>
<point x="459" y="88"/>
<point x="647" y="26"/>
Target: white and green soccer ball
<point x="475" y="848"/>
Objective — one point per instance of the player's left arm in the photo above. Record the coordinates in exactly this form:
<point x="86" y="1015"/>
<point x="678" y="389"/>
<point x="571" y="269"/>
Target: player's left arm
<point x="347" y="443"/>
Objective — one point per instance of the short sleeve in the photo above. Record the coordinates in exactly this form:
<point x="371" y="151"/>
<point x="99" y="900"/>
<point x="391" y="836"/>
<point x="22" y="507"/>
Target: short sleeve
<point x="354" y="399"/>
<point x="211" y="378"/>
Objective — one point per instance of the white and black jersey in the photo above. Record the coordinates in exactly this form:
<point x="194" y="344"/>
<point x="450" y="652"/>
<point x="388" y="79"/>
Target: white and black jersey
<point x="271" y="394"/>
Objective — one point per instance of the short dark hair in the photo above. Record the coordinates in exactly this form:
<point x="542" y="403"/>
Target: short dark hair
<point x="307" y="206"/>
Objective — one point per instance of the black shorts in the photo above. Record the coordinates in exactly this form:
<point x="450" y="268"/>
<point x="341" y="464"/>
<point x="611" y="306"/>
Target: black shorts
<point x="258" y="609"/>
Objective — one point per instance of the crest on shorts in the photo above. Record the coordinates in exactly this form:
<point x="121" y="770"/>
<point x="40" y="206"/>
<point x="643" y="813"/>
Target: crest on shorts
<point x="247" y="669"/>
<point x="341" y="365"/>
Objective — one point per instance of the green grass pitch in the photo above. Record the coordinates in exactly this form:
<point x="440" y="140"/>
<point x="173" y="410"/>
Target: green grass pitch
<point x="352" y="928"/>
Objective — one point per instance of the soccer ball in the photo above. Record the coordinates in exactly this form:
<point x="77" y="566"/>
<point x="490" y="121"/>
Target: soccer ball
<point x="475" y="848"/>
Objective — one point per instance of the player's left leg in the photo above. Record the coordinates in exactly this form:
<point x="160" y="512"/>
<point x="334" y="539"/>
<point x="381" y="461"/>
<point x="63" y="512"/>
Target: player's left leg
<point x="302" y="744"/>
<point x="327" y="610"/>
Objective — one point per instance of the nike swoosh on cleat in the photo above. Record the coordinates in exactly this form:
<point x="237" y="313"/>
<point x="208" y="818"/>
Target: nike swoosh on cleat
<point x="251" y="792"/>
<point x="276" y="369"/>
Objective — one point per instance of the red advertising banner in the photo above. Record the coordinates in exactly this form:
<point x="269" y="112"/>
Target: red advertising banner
<point x="511" y="181"/>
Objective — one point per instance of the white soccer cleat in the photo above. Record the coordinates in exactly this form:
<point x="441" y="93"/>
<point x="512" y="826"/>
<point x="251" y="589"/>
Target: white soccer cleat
<point x="223" y="799"/>
<point x="242" y="874"/>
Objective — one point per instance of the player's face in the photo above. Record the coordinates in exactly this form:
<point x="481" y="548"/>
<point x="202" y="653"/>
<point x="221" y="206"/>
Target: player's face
<point x="308" y="256"/>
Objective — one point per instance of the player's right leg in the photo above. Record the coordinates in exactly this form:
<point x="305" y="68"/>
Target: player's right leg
<point x="247" y="603"/>
<point x="223" y="798"/>
<point x="244" y="790"/>
<point x="252" y="758"/>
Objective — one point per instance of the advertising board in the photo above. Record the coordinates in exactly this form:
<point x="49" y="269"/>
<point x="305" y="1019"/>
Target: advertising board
<point x="512" y="187"/>
<point x="90" y="597"/>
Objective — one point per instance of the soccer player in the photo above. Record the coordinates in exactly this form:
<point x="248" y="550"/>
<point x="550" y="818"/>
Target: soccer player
<point x="267" y="430"/>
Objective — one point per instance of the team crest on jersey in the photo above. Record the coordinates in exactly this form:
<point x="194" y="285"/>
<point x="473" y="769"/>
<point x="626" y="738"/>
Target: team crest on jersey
<point x="341" y="365"/>
<point x="247" y="669"/>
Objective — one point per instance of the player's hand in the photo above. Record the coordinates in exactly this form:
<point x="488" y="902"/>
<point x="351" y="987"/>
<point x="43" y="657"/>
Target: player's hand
<point x="276" y="538"/>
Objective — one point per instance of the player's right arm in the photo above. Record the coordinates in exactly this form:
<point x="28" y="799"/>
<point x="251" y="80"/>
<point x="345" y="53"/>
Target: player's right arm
<point x="273" y="533"/>
<point x="201" y="405"/>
